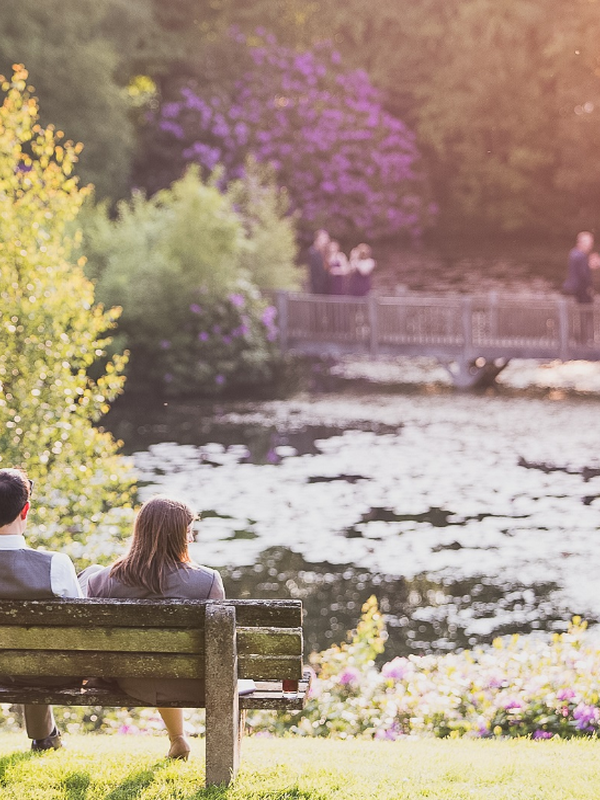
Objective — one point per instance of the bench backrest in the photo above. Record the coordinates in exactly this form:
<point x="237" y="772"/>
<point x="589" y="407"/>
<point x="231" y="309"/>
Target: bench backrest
<point x="144" y="638"/>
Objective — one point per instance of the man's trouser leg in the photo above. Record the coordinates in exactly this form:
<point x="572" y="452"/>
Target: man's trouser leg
<point x="39" y="721"/>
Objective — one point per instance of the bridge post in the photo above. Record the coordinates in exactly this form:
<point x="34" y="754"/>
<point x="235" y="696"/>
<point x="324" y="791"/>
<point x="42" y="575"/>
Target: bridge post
<point x="467" y="328"/>
<point x="493" y="314"/>
<point x="563" y="328"/>
<point x="282" y="319"/>
<point x="373" y="325"/>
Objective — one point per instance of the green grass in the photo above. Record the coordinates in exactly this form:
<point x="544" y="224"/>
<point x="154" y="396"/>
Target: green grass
<point x="128" y="767"/>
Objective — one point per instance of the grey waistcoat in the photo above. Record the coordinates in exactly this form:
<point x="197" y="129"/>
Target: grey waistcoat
<point x="25" y="575"/>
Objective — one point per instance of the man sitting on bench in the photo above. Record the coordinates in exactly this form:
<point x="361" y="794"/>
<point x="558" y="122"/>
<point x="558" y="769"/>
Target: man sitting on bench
<point x="27" y="574"/>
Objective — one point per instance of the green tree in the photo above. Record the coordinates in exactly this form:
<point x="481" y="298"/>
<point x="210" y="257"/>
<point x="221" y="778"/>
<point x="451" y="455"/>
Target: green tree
<point x="77" y="53"/>
<point x="51" y="334"/>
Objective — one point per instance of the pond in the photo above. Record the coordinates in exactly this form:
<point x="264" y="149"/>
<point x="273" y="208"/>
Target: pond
<point x="468" y="516"/>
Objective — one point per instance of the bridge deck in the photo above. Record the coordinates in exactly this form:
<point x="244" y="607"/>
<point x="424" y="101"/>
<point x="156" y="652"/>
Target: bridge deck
<point x="449" y="327"/>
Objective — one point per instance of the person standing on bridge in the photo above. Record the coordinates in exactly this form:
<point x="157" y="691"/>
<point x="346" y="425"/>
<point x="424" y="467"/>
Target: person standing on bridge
<point x="361" y="269"/>
<point x="579" y="282"/>
<point x="316" y="263"/>
<point x="337" y="268"/>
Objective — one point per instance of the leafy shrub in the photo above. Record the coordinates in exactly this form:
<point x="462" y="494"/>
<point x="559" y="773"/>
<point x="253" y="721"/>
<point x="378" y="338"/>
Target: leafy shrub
<point x="269" y="257"/>
<point x="345" y="162"/>
<point x="180" y="265"/>
<point x="51" y="335"/>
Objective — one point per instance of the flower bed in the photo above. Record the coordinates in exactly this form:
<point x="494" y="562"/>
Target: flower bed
<point x="520" y="686"/>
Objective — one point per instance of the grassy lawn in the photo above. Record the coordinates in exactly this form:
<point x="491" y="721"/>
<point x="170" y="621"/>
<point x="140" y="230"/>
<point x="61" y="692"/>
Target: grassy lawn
<point x="128" y="767"/>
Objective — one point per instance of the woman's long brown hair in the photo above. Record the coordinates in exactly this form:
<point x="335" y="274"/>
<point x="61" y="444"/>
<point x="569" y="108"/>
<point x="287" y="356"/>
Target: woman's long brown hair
<point x="159" y="544"/>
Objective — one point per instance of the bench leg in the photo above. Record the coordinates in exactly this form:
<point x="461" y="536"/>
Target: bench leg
<point x="222" y="700"/>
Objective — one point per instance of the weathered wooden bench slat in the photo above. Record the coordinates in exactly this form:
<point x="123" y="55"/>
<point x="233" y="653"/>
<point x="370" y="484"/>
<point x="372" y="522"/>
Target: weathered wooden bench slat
<point x="145" y="613"/>
<point x="86" y="663"/>
<point x="267" y="641"/>
<point x="119" y="640"/>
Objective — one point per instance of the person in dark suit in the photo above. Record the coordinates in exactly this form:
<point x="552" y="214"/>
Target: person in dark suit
<point x="316" y="263"/>
<point x="579" y="282"/>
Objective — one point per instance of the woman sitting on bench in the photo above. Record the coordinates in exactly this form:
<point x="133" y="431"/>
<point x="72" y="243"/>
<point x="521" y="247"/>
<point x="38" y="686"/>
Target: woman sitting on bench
<point x="158" y="566"/>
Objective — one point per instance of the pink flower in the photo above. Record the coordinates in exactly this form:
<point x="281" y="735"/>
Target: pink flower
<point x="565" y="694"/>
<point x="397" y="669"/>
<point x="349" y="676"/>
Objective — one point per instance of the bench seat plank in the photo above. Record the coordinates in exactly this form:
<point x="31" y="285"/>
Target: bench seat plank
<point x="268" y="696"/>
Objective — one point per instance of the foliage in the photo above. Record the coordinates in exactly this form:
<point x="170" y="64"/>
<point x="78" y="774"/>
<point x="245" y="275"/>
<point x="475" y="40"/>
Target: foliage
<point x="502" y="96"/>
<point x="521" y="686"/>
<point x="178" y="265"/>
<point x="346" y="164"/>
<point x="75" y="64"/>
<point x="269" y="257"/>
<point x="50" y="333"/>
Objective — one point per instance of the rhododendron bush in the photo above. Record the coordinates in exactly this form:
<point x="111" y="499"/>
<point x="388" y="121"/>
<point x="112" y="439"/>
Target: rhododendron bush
<point x="346" y="163"/>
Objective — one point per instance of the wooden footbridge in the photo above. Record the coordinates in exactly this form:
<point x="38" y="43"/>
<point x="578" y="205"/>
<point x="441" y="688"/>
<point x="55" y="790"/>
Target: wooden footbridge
<point x="474" y="336"/>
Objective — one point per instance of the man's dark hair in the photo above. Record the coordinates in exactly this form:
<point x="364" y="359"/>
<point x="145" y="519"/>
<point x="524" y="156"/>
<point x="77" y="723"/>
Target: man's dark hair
<point x="14" y="493"/>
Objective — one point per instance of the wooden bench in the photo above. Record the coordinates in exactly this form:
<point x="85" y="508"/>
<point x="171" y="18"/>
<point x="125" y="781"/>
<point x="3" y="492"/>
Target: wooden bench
<point x="218" y="641"/>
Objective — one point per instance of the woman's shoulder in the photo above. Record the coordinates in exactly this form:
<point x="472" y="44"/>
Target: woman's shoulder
<point x="200" y="568"/>
<point x="195" y="581"/>
<point x="96" y="580"/>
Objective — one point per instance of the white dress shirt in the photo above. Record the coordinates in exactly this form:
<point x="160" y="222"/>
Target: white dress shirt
<point x="63" y="579"/>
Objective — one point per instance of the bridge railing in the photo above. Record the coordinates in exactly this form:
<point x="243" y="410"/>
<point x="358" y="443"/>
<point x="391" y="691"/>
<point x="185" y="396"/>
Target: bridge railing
<point x="493" y="324"/>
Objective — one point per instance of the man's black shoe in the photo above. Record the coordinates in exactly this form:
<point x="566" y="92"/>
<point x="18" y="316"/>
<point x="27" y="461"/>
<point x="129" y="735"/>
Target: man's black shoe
<point x="51" y="742"/>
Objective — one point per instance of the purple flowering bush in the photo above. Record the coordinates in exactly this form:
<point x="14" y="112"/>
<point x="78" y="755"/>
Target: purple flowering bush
<point x="346" y="163"/>
<point x="220" y="344"/>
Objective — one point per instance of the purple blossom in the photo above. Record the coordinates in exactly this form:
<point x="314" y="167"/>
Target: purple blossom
<point x="565" y="694"/>
<point x="220" y="380"/>
<point x="195" y="308"/>
<point x="397" y="669"/>
<point x="269" y="315"/>
<point x="510" y="703"/>
<point x="349" y="676"/>
<point x="203" y="336"/>
<point x="165" y="344"/>
<point x="237" y="300"/>
<point x="586" y="717"/>
<point x="540" y="734"/>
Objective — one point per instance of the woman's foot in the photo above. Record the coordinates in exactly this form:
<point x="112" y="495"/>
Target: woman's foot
<point x="180" y="748"/>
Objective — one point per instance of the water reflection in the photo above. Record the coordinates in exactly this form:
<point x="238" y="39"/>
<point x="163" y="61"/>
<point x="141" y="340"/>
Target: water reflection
<point x="468" y="516"/>
<point x="423" y="614"/>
